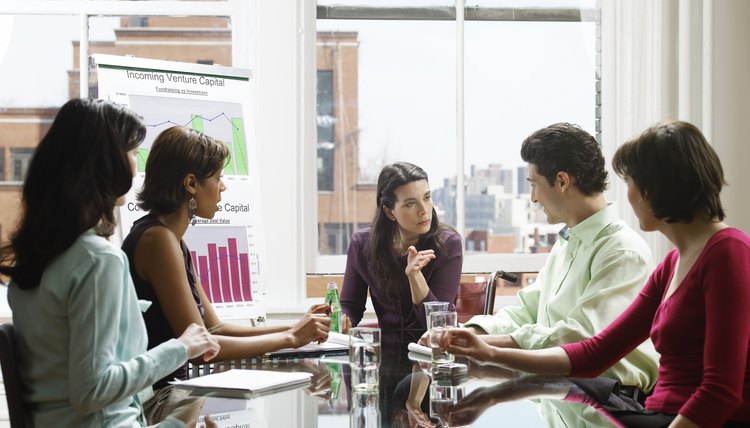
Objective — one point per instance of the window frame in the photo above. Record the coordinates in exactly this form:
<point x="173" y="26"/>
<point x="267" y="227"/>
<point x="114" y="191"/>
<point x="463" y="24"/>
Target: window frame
<point x="473" y="263"/>
<point x="284" y="107"/>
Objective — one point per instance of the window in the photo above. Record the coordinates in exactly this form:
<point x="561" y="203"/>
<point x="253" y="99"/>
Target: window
<point x="19" y="160"/>
<point x="37" y="84"/>
<point x="326" y="130"/>
<point x="401" y="98"/>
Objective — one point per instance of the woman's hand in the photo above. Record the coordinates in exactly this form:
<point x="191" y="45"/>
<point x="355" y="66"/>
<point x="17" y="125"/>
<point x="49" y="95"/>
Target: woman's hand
<point x="469" y="408"/>
<point x="325" y="308"/>
<point x="419" y="384"/>
<point x="207" y="423"/>
<point x="346" y="324"/>
<point x="416" y="260"/>
<point x="461" y="341"/>
<point x="312" y="327"/>
<point x="198" y="341"/>
<point x="320" y="308"/>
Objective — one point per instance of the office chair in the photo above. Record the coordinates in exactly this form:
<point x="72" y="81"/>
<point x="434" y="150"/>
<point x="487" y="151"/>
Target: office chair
<point x="492" y="282"/>
<point x="470" y="300"/>
<point x="478" y="298"/>
<point x="11" y="381"/>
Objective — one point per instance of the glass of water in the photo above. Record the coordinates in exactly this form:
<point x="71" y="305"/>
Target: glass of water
<point x="364" y="358"/>
<point x="443" y="397"/>
<point x="430" y="307"/>
<point x="441" y="321"/>
<point x="365" y="411"/>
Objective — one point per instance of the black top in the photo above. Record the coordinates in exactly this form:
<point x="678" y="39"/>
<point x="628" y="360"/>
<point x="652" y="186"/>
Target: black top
<point x="157" y="326"/>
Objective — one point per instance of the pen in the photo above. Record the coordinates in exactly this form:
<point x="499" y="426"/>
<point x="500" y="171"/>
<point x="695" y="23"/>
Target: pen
<point x="216" y="327"/>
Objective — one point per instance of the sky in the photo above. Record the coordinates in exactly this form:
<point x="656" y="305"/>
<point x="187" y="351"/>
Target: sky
<point x="518" y="77"/>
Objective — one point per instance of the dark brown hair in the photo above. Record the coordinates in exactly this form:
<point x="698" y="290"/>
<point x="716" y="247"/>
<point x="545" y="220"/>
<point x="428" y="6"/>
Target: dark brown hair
<point x="566" y="147"/>
<point x="382" y="258"/>
<point x="78" y="171"/>
<point x="177" y="152"/>
<point x="676" y="170"/>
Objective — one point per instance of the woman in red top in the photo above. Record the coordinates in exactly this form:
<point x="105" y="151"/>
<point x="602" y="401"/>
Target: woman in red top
<point x="694" y="306"/>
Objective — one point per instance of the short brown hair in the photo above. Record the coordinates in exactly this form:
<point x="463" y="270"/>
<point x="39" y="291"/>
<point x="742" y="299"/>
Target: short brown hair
<point x="676" y="170"/>
<point x="177" y="152"/>
<point x="567" y="147"/>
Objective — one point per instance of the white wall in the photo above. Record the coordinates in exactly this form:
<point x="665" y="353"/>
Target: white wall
<point x="280" y="31"/>
<point x="731" y="104"/>
<point x="687" y="60"/>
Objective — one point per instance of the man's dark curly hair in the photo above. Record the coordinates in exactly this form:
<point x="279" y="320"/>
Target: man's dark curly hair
<point x="566" y="147"/>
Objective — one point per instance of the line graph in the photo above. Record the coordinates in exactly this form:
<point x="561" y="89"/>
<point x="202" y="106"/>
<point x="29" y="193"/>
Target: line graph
<point x="168" y="123"/>
<point x="223" y="121"/>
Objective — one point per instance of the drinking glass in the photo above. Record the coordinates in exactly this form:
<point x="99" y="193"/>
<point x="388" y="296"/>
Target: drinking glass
<point x="443" y="396"/>
<point x="364" y="358"/>
<point x="441" y="321"/>
<point x="430" y="307"/>
<point x="365" y="411"/>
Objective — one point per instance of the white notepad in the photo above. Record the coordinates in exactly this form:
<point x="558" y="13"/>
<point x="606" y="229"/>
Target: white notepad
<point x="245" y="382"/>
<point x="420" y="349"/>
<point x="337" y="343"/>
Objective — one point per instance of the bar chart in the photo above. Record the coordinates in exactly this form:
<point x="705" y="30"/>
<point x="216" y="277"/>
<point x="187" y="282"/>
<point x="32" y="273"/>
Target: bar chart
<point x="223" y="264"/>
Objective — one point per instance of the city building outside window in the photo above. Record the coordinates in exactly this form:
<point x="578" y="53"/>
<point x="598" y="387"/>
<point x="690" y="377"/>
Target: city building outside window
<point x="393" y="70"/>
<point x="19" y="158"/>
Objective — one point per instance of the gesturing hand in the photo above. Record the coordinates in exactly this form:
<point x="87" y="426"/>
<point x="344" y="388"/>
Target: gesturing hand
<point x="416" y="260"/>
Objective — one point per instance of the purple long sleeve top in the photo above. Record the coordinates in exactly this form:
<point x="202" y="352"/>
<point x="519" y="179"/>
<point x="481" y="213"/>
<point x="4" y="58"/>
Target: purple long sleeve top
<point x="442" y="279"/>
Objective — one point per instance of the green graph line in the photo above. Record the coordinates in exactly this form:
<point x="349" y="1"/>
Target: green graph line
<point x="196" y="122"/>
<point x="229" y="167"/>
<point x="141" y="160"/>
<point x="237" y="163"/>
<point x="240" y="153"/>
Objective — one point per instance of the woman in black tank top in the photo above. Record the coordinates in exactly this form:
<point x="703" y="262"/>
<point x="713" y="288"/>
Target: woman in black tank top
<point x="183" y="180"/>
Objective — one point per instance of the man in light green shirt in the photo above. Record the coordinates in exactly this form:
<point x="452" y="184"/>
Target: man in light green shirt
<point x="595" y="269"/>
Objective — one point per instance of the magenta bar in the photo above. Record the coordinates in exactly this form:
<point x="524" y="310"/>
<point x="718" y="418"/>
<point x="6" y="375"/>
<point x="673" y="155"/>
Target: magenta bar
<point x="247" y="292"/>
<point x="194" y="255"/>
<point x="204" y="278"/>
<point x="213" y="266"/>
<point x="226" y="289"/>
<point x="234" y="268"/>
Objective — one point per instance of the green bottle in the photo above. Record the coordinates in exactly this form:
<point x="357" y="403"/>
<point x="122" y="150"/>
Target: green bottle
<point x="334" y="370"/>
<point x="332" y="298"/>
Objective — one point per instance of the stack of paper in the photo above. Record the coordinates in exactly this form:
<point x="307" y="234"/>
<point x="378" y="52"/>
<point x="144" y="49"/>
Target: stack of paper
<point x="245" y="382"/>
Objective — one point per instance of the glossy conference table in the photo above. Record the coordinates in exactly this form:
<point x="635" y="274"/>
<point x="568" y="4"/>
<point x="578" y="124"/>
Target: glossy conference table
<point x="486" y="396"/>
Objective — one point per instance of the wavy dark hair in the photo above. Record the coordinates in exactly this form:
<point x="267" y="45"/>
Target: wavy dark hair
<point x="567" y="147"/>
<point x="382" y="258"/>
<point x="177" y="152"/>
<point x="76" y="174"/>
<point x="676" y="170"/>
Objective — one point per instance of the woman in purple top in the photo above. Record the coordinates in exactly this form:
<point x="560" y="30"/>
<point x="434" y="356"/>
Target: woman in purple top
<point x="406" y="258"/>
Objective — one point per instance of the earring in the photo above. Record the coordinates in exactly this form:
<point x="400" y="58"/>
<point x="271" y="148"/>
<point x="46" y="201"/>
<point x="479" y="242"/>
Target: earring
<point x="192" y="206"/>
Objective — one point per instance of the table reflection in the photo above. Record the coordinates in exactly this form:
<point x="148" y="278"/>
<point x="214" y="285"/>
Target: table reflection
<point x="411" y="393"/>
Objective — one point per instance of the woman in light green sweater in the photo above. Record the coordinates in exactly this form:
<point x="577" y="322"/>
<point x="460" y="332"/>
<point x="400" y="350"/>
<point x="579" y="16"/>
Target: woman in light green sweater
<point x="81" y="340"/>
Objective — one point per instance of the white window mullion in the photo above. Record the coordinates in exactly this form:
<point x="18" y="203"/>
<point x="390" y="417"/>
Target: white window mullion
<point x="83" y="57"/>
<point x="460" y="188"/>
